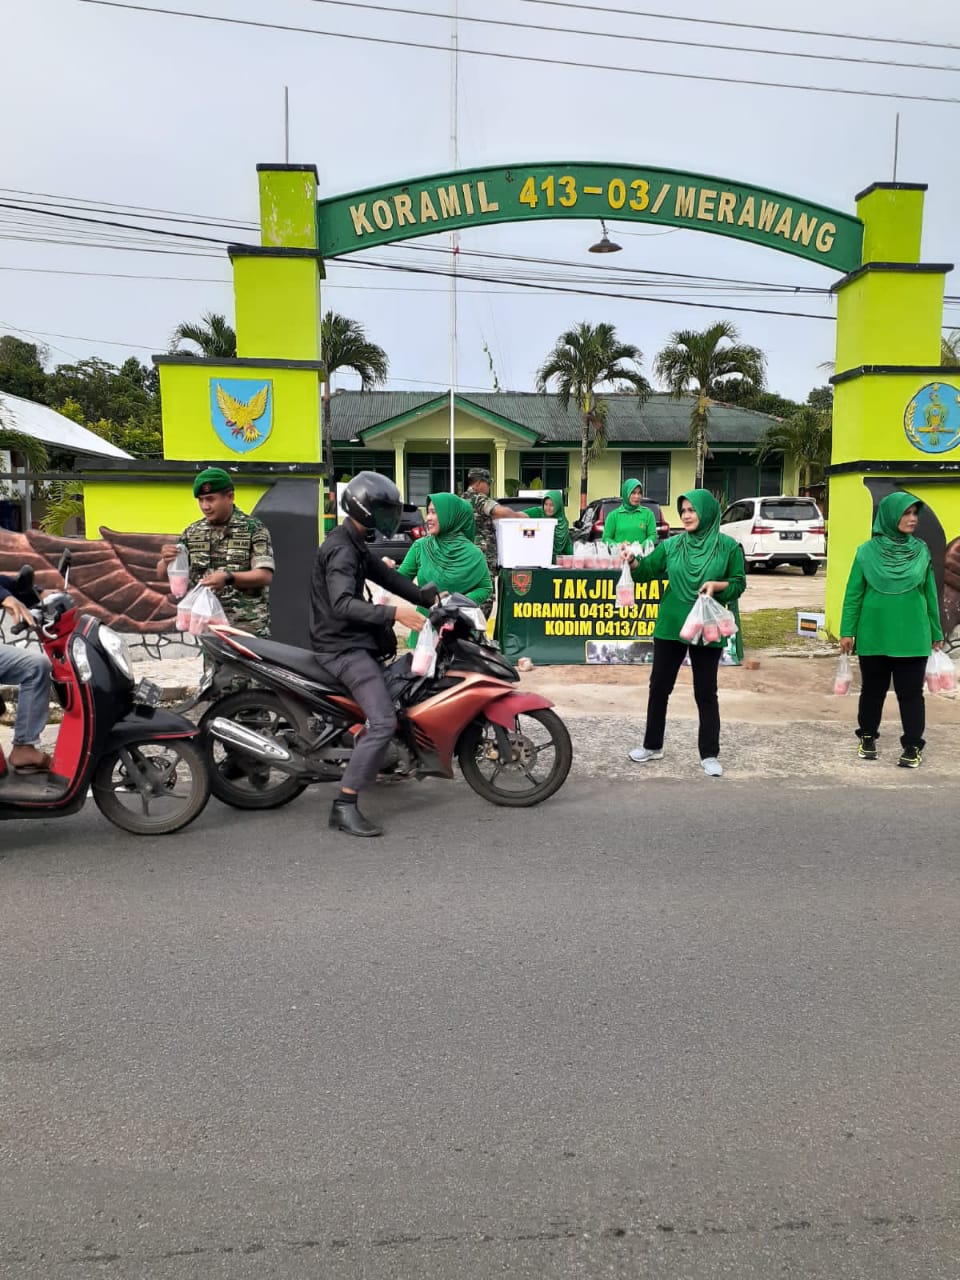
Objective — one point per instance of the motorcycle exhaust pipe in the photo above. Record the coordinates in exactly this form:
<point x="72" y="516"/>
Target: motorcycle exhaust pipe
<point x="254" y="744"/>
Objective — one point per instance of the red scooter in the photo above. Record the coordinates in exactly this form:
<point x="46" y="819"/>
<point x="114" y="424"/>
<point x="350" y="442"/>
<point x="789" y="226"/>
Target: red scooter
<point x="297" y="726"/>
<point x="140" y="763"/>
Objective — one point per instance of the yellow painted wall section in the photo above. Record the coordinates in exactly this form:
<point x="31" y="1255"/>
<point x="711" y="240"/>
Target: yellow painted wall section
<point x="288" y="208"/>
<point x="851" y="515"/>
<point x="872" y="410"/>
<point x="893" y="223"/>
<point x="890" y="318"/>
<point x="146" y="506"/>
<point x="187" y="425"/>
<point x="277" y="303"/>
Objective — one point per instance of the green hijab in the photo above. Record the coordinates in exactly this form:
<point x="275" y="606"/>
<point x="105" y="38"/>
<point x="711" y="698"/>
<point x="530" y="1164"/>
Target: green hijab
<point x="561" y="530"/>
<point x="894" y="562"/>
<point x="694" y="558"/>
<point x="626" y="489"/>
<point x="452" y="553"/>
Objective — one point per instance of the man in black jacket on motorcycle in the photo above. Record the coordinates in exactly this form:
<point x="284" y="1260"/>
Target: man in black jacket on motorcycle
<point x="351" y="635"/>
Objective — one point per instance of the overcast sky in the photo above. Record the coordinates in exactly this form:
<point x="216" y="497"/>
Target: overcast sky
<point x="104" y="104"/>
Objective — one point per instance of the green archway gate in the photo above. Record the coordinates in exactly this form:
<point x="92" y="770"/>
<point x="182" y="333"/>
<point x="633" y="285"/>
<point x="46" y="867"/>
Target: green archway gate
<point x="896" y="415"/>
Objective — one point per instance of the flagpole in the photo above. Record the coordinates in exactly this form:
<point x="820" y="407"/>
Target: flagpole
<point x="454" y="244"/>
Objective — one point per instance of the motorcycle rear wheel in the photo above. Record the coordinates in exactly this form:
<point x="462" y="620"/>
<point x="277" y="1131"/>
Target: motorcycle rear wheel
<point x="239" y="780"/>
<point x="546" y="743"/>
<point x="178" y="770"/>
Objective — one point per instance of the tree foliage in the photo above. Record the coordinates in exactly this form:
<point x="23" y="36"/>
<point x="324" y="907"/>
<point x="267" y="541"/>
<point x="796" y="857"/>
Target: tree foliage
<point x="582" y="360"/>
<point x="214" y="335"/>
<point x="707" y="364"/>
<point x="344" y="345"/>
<point x="806" y="437"/>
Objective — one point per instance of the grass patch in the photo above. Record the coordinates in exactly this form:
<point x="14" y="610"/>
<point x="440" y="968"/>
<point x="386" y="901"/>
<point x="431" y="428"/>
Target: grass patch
<point x="772" y="629"/>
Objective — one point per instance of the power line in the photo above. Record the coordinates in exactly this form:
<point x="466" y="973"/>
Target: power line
<point x="663" y="40"/>
<point x="98" y="222"/>
<point x="745" y="26"/>
<point x="518" y="57"/>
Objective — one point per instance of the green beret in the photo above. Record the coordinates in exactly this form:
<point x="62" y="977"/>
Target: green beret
<point x="213" y="480"/>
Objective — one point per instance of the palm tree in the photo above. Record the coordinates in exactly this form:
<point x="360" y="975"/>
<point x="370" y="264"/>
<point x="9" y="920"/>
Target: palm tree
<point x="950" y="350"/>
<point x="699" y="364"/>
<point x="214" y="336"/>
<point x="806" y="437"/>
<point x="33" y="452"/>
<point x="583" y="359"/>
<point x="344" y="345"/>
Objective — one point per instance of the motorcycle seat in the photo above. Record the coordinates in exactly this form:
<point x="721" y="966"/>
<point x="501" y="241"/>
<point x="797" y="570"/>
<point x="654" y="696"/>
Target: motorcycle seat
<point x="303" y="662"/>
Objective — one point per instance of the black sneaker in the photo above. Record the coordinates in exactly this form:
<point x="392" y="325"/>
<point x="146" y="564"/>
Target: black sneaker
<point x="910" y="758"/>
<point x="867" y="749"/>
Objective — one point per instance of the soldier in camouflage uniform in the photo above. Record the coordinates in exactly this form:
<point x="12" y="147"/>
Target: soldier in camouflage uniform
<point x="485" y="511"/>
<point x="230" y="552"/>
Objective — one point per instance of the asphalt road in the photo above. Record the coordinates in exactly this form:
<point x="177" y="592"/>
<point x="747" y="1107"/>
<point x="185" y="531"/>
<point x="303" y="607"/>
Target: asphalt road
<point x="704" y="1029"/>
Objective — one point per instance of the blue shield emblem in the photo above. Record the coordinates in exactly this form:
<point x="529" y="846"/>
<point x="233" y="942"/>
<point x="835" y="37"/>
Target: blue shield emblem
<point x="932" y="418"/>
<point x="241" y="411"/>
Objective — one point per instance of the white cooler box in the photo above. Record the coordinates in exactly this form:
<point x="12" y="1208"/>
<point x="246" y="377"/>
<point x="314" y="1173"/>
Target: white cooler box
<point x="525" y="544"/>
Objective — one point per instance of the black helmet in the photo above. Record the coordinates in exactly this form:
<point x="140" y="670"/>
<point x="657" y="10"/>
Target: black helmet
<point x="373" y="501"/>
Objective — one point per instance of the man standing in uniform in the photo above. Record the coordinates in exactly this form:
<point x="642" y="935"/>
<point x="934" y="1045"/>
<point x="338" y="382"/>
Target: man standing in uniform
<point x="230" y="552"/>
<point x="485" y="511"/>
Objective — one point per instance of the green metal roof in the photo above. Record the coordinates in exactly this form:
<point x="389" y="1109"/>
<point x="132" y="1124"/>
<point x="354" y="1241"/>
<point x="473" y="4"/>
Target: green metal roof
<point x="661" y="421"/>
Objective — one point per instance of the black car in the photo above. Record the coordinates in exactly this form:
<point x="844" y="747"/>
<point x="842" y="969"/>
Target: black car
<point x="412" y="527"/>
<point x="589" y="528"/>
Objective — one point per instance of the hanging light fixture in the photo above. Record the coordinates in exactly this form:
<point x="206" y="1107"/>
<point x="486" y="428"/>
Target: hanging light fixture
<point x="604" y="244"/>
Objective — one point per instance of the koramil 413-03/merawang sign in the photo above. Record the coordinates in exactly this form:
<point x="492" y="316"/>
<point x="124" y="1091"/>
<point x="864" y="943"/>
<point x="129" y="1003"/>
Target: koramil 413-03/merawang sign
<point x="470" y="198"/>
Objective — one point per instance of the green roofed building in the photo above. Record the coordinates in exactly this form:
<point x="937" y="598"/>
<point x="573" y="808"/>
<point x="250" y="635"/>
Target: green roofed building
<point x="527" y="440"/>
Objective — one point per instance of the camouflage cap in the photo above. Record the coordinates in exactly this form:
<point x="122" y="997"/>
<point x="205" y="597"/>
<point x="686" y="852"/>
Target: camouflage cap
<point x="213" y="480"/>
<point x="478" y="473"/>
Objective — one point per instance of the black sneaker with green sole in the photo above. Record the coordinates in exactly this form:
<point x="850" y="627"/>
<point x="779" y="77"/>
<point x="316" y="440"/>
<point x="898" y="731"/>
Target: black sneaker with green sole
<point x="867" y="750"/>
<point x="910" y="758"/>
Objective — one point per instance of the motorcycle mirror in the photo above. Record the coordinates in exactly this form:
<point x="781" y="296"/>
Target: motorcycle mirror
<point x="25" y="578"/>
<point x="63" y="568"/>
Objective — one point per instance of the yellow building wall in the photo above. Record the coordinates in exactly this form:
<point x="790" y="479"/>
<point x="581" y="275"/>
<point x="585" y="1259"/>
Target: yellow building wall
<point x="188" y="433"/>
<point x="277" y="302"/>
<point x="146" y="506"/>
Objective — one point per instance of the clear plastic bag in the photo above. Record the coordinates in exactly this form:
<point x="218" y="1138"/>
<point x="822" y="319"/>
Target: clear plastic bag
<point x="424" y="661"/>
<point x="692" y="629"/>
<point x="205" y="611"/>
<point x="184" y="608"/>
<point x="941" y="676"/>
<point x="718" y="621"/>
<point x="844" y="677"/>
<point x="178" y="571"/>
<point x="626" y="592"/>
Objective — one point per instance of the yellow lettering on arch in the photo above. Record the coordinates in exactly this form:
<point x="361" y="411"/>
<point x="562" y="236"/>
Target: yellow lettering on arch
<point x="404" y="207"/>
<point x="382" y="215"/>
<point x="705" y="205"/>
<point x="804" y="228"/>
<point x="428" y="212"/>
<point x="361" y="223"/>
<point x="768" y="211"/>
<point x="726" y="206"/>
<point x="825" y="237"/>
<point x="784" y="225"/>
<point x="683" y="208"/>
<point x="748" y="213"/>
<point x="449" y="201"/>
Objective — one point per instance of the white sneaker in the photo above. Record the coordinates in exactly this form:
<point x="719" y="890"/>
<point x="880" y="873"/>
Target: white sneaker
<point x="640" y="755"/>
<point x="712" y="767"/>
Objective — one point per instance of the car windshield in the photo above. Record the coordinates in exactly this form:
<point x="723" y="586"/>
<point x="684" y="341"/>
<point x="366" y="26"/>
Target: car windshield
<point x="788" y="509"/>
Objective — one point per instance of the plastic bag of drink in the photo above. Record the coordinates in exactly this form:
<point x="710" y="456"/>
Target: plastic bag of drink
<point x="579" y="552"/>
<point x="424" y="660"/>
<point x="692" y="629"/>
<point x="844" y="677"/>
<point x="184" y="608"/>
<point x="648" y="547"/>
<point x="205" y="611"/>
<point x="178" y="572"/>
<point x="626" y="593"/>
<point x="940" y="676"/>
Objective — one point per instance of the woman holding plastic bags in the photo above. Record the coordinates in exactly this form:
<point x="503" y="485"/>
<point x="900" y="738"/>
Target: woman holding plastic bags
<point x="892" y="616"/>
<point x="448" y="555"/>
<point x="552" y="509"/>
<point x="631" y="521"/>
<point x="699" y="561"/>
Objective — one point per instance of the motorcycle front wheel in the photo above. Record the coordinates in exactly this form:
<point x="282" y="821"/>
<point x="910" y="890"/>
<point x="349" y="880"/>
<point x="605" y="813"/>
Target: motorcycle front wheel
<point x="177" y="786"/>
<point x="541" y="759"/>
<point x="241" y="780"/>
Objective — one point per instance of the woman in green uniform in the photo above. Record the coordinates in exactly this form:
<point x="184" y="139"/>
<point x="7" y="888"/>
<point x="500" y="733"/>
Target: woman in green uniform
<point x="891" y="614"/>
<point x="448" y="555"/>
<point x="631" y="521"/>
<point x="552" y="509"/>
<point x="701" y="559"/>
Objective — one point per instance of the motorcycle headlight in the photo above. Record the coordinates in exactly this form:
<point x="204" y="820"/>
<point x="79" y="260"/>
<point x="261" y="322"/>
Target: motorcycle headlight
<point x="115" y="647"/>
<point x="81" y="659"/>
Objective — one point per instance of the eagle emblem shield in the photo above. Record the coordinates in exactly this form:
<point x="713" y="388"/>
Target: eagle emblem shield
<point x="241" y="411"/>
